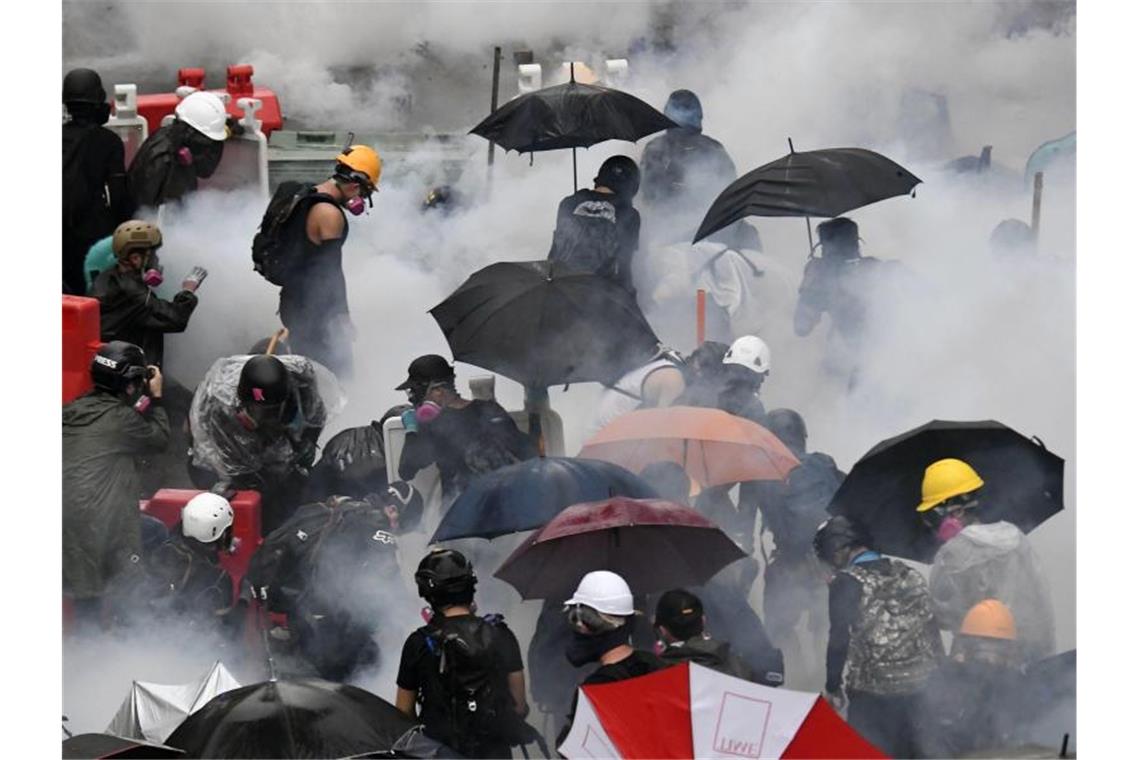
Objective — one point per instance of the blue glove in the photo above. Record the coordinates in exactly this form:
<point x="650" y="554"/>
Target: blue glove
<point x="409" y="420"/>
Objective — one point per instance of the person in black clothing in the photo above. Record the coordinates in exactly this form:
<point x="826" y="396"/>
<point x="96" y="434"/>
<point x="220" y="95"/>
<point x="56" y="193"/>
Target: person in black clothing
<point x="746" y="365"/>
<point x="464" y="438"/>
<point x="704" y="375"/>
<point x="598" y="230"/>
<point x="314" y="299"/>
<point x="602" y="617"/>
<point x="680" y="625"/>
<point x="465" y="672"/>
<point x="95" y="193"/>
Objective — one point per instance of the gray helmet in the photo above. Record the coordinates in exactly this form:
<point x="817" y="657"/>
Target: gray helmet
<point x="836" y="535"/>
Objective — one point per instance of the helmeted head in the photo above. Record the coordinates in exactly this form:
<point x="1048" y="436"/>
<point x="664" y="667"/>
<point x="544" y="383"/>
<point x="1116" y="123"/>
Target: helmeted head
<point x="357" y="175"/>
<point x="445" y="578"/>
<point x="752" y="353"/>
<point x="208" y="519"/>
<point x="789" y="427"/>
<point x="839" y="238"/>
<point x="205" y="112"/>
<point x="135" y="244"/>
<point x="950" y="496"/>
<point x="119" y="367"/>
<point x="684" y="108"/>
<point x="620" y="174"/>
<point x="280" y="348"/>
<point x="836" y="539"/>
<point x="706" y="359"/>
<point x="402" y="503"/>
<point x="605" y="593"/>
<point x="84" y="96"/>
<point x="988" y="634"/>
<point x="264" y="391"/>
<point x="680" y="614"/>
<point x="428" y="376"/>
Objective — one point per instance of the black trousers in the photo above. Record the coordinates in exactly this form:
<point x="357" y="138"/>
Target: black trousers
<point x="888" y="722"/>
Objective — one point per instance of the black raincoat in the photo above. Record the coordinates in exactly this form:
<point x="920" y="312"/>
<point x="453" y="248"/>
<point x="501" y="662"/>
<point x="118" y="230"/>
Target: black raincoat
<point x="130" y="311"/>
<point x="156" y="176"/>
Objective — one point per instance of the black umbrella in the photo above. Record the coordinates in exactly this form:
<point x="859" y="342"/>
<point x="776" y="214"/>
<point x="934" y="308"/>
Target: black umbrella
<point x="571" y="115"/>
<point x="109" y="745"/>
<point x="1023" y="482"/>
<point x="542" y="324"/>
<point x="527" y="495"/>
<point x="823" y="183"/>
<point x="301" y="717"/>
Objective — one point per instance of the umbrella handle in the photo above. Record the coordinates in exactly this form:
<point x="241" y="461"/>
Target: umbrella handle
<point x="1040" y="443"/>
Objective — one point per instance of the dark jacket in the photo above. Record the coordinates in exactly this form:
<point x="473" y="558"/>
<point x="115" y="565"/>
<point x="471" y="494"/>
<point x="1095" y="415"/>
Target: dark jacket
<point x="970" y="707"/>
<point x="685" y="162"/>
<point x="130" y="311"/>
<point x="157" y="177"/>
<point x="710" y="653"/>
<point x="102" y="436"/>
<point x="596" y="232"/>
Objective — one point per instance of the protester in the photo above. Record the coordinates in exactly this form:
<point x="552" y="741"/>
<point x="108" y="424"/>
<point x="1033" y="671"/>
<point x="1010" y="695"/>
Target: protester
<point x="975" y="701"/>
<point x="652" y="382"/>
<point x="884" y="642"/>
<point x="103" y="433"/>
<point x="792" y="509"/>
<point x="704" y="375"/>
<point x="598" y="230"/>
<point x="465" y="438"/>
<point x="602" y="616"/>
<point x="982" y="560"/>
<point x="254" y="423"/>
<point x="463" y="671"/>
<point x="95" y="193"/>
<point x="299" y="247"/>
<point x="746" y="366"/>
<point x="169" y="164"/>
<point x="680" y="625"/>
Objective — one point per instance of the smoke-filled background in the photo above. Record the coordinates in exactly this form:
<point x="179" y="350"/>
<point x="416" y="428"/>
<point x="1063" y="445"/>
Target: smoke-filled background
<point x="973" y="338"/>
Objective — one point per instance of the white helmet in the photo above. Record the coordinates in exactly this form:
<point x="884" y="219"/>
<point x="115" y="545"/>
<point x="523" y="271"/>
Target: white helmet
<point x="605" y="592"/>
<point x="749" y="351"/>
<point x="204" y="111"/>
<point x="206" y="517"/>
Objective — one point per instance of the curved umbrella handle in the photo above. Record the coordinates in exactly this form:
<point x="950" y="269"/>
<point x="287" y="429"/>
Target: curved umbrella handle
<point x="1040" y="442"/>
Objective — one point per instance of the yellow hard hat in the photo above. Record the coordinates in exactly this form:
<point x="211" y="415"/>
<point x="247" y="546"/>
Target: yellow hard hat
<point x="362" y="163"/>
<point x="989" y="618"/>
<point x="946" y="479"/>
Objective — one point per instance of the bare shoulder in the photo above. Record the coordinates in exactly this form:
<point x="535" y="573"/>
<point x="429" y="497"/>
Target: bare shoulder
<point x="324" y="222"/>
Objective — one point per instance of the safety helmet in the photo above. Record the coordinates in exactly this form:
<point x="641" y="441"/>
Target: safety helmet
<point x="360" y="163"/>
<point x="836" y="535"/>
<point x="605" y="592"/>
<point x="946" y="479"/>
<point x="788" y="426"/>
<point x="620" y="174"/>
<point x="206" y="517"/>
<point x="444" y="573"/>
<point x="205" y="112"/>
<point x="751" y="352"/>
<point x="264" y="380"/>
<point x="84" y="86"/>
<point x="684" y="109"/>
<point x="117" y="364"/>
<point x="989" y="618"/>
<point x="135" y="236"/>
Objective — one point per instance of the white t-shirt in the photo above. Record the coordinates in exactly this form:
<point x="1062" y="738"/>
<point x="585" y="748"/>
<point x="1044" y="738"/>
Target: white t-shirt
<point x="624" y="396"/>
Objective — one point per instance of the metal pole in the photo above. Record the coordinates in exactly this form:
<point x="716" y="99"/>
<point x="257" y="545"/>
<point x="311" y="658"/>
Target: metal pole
<point x="494" y="100"/>
<point x="1038" y="183"/>
<point x="811" y="243"/>
<point x="574" y="153"/>
<point x="700" y="316"/>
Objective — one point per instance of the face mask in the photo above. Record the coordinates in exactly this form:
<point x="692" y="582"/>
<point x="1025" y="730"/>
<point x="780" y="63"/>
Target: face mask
<point x="354" y="206"/>
<point x="949" y="528"/>
<point x="659" y="647"/>
<point x="184" y="156"/>
<point x="586" y="648"/>
<point x="152" y="277"/>
<point x="428" y="411"/>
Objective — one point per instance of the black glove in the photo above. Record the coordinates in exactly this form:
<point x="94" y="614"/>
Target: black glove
<point x="306" y="454"/>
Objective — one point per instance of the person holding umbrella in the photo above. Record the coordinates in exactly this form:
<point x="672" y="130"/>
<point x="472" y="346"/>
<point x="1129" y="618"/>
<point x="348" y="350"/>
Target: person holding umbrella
<point x="598" y="230"/>
<point x="884" y="642"/>
<point x="982" y="560"/>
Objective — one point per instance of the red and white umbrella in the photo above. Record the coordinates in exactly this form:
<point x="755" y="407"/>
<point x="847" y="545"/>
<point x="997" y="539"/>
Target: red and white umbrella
<point x="690" y="711"/>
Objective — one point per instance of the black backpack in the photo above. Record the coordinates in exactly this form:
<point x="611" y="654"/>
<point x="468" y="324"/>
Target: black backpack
<point x="809" y="490"/>
<point x="477" y="702"/>
<point x="276" y="248"/>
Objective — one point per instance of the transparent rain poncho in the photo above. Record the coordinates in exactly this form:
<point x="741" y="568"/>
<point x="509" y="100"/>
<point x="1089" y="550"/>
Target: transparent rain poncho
<point x="222" y="444"/>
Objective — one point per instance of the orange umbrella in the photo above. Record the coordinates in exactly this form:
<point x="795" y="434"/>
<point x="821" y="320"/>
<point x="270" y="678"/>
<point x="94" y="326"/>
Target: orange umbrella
<point x="713" y="446"/>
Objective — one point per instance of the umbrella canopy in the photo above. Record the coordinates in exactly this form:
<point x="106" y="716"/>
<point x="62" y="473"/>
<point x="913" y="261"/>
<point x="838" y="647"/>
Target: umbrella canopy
<point x="655" y="545"/>
<point x="153" y="710"/>
<point x="108" y="745"/>
<point x="301" y="717"/>
<point x="689" y="711"/>
<point x="1024" y="482"/>
<point x="713" y="446"/>
<point x="527" y="495"/>
<point x="542" y="324"/>
<point x="571" y="115"/>
<point x="815" y="183"/>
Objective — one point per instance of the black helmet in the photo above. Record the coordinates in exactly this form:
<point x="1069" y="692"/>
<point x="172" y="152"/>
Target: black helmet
<point x="839" y="237"/>
<point x="836" y="535"/>
<point x="684" y="108"/>
<point x="408" y="502"/>
<point x="620" y="174"/>
<point x="281" y="348"/>
<point x="264" y="380"/>
<point x="445" y="575"/>
<point x="116" y="365"/>
<point x="789" y="427"/>
<point x="83" y="86"/>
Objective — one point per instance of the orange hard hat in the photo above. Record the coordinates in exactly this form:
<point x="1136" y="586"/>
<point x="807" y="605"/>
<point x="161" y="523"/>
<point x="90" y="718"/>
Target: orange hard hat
<point x="989" y="618"/>
<point x="361" y="163"/>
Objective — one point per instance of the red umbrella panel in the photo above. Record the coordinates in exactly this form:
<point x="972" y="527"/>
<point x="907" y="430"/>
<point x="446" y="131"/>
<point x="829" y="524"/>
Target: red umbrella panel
<point x="655" y="545"/>
<point x="713" y="446"/>
<point x="689" y="711"/>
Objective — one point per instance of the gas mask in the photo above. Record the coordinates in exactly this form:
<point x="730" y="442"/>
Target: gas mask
<point x="949" y="528"/>
<point x="428" y="411"/>
<point x="151" y="270"/>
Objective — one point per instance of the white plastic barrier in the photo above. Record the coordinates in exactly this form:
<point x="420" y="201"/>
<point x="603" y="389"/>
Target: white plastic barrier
<point x="245" y="160"/>
<point x="126" y="123"/>
<point x="530" y="77"/>
<point x="617" y="72"/>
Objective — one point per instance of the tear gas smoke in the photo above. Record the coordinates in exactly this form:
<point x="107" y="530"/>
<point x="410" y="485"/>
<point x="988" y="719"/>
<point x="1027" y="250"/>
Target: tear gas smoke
<point x="974" y="338"/>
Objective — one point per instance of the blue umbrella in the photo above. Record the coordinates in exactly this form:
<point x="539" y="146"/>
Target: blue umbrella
<point x="529" y="494"/>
